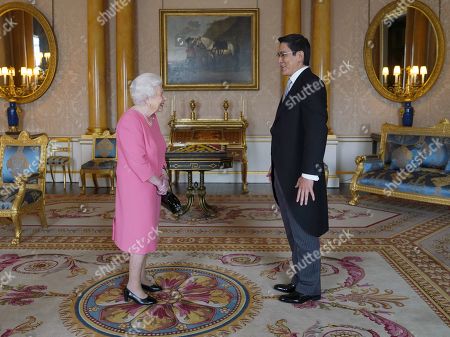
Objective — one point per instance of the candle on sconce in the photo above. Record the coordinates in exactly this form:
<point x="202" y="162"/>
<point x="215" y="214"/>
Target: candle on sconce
<point x="29" y="75"/>
<point x="423" y="72"/>
<point x="414" y="73"/>
<point x="36" y="74"/>
<point x="23" y="73"/>
<point x="385" y="74"/>
<point x="4" y="73"/>
<point x="396" y="74"/>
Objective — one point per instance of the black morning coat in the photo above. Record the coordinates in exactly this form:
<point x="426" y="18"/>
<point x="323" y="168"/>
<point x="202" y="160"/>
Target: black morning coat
<point x="299" y="137"/>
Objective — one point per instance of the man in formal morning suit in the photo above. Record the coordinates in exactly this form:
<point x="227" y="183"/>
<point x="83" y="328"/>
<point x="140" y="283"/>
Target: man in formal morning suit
<point x="299" y="136"/>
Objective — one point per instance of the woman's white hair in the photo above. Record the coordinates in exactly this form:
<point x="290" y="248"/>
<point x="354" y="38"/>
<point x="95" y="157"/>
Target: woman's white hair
<point x="144" y="86"/>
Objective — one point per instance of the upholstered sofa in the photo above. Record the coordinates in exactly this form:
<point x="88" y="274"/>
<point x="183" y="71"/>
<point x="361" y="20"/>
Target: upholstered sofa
<point x="413" y="163"/>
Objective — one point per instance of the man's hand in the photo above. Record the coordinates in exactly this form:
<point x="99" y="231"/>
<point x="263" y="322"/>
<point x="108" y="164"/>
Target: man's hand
<point x="305" y="188"/>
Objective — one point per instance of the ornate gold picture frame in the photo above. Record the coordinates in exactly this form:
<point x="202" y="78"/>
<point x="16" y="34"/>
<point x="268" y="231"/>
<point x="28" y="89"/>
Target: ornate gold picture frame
<point x="211" y="49"/>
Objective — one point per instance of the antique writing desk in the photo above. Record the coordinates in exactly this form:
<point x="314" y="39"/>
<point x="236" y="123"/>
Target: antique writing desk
<point x="229" y="132"/>
<point x="201" y="158"/>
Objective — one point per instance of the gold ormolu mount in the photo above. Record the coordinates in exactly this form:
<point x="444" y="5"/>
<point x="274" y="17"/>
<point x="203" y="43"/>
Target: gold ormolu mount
<point x="226" y="105"/>
<point x="193" y="105"/>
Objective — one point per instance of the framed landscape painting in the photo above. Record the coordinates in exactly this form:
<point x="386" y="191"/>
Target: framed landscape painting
<point x="213" y="49"/>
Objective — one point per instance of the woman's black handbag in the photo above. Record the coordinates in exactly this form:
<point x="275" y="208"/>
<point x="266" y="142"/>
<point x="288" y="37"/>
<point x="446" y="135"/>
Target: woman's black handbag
<point x="171" y="202"/>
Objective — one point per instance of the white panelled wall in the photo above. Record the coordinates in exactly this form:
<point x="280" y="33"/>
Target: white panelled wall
<point x="339" y="156"/>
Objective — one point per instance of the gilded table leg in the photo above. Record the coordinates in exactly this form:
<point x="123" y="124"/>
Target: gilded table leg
<point x="201" y="195"/>
<point x="94" y="178"/>
<point x="83" y="182"/>
<point x="189" y="194"/>
<point x="244" y="176"/>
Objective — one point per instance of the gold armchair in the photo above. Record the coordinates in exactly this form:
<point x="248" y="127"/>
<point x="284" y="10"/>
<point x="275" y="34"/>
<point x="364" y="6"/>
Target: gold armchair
<point x="103" y="162"/>
<point x="22" y="178"/>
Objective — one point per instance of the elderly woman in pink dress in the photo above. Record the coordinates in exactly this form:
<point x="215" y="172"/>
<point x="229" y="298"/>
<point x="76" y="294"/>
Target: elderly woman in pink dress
<point x="141" y="180"/>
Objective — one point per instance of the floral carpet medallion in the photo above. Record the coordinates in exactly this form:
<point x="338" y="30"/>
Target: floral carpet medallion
<point x="195" y="300"/>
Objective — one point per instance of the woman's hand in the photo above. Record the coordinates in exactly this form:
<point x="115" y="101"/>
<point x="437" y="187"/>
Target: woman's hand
<point x="161" y="183"/>
<point x="162" y="190"/>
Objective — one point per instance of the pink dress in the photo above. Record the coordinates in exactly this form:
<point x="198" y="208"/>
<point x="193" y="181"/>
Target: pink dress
<point x="140" y="154"/>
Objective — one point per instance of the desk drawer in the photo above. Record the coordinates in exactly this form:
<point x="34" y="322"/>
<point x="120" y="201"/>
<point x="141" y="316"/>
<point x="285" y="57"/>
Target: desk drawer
<point x="233" y="136"/>
<point x="207" y="136"/>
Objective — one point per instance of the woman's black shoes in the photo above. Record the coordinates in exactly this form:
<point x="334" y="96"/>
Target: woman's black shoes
<point x="127" y="295"/>
<point x="151" y="288"/>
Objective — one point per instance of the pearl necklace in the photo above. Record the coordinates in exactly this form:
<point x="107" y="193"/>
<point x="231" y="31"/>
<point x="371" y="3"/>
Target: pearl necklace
<point x="149" y="119"/>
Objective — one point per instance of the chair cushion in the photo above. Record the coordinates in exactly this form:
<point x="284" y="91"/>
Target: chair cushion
<point x="373" y="164"/>
<point x="99" y="165"/>
<point x="421" y="181"/>
<point x="394" y="141"/>
<point x="435" y="152"/>
<point x="105" y="147"/>
<point x="401" y="149"/>
<point x="31" y="196"/>
<point x="20" y="160"/>
<point x="57" y="160"/>
<point x="403" y="155"/>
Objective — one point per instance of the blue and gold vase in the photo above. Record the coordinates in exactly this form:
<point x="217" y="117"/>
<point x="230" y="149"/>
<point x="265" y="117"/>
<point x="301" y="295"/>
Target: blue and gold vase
<point x="13" y="117"/>
<point x="407" y="114"/>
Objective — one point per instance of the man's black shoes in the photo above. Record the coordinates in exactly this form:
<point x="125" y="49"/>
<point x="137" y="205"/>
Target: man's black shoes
<point x="285" y="288"/>
<point x="298" y="298"/>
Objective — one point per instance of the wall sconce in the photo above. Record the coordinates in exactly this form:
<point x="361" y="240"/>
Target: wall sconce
<point x="409" y="88"/>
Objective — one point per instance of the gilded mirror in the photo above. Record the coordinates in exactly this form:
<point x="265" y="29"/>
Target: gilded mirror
<point x="28" y="53"/>
<point x="404" y="50"/>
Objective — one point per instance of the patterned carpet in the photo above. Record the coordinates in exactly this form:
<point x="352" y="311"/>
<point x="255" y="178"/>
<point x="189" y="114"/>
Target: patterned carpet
<point x="390" y="279"/>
